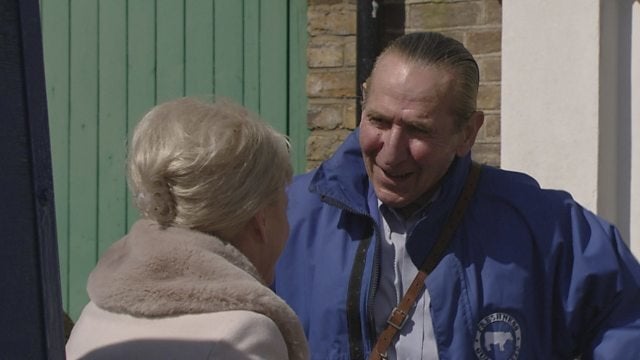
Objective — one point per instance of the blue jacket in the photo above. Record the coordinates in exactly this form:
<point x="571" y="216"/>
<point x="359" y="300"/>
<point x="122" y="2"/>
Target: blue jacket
<point x="529" y="273"/>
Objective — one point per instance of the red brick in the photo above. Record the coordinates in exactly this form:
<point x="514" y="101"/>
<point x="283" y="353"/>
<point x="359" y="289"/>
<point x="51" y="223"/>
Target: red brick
<point x="490" y="68"/>
<point x="331" y="19"/>
<point x="324" y="116"/>
<point x="492" y="12"/>
<point x="486" y="153"/>
<point x="322" y="144"/>
<point x="325" y="51"/>
<point x="331" y="84"/>
<point x="350" y="55"/>
<point x="491" y="127"/>
<point x="484" y="42"/>
<point x="350" y="115"/>
<point x="442" y="15"/>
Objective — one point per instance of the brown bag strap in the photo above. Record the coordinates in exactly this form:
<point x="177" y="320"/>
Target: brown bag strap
<point x="400" y="313"/>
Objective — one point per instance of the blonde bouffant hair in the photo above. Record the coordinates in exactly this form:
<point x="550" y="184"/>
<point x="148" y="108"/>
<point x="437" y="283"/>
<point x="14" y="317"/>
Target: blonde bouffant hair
<point x="208" y="166"/>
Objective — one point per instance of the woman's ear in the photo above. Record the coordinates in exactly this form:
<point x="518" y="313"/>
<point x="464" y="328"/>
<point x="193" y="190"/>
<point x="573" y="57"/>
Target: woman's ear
<point x="258" y="224"/>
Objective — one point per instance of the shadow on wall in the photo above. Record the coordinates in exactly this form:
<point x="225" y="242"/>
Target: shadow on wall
<point x="391" y="22"/>
<point x="68" y="326"/>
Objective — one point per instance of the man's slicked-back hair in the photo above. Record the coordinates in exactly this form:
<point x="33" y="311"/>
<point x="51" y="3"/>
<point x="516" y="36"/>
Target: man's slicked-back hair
<point x="435" y="49"/>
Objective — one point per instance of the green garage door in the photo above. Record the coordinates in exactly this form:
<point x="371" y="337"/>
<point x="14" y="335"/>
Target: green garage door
<point x="108" y="61"/>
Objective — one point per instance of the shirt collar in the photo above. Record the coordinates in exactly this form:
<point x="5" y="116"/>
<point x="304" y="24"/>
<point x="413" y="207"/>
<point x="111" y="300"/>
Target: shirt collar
<point x="398" y="223"/>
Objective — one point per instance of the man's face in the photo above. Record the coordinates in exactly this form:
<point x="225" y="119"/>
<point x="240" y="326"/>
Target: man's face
<point x="407" y="130"/>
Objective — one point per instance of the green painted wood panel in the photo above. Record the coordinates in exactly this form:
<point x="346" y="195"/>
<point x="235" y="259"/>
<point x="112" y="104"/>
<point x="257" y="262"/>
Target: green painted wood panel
<point x="251" y="55"/>
<point x="297" y="72"/>
<point x="83" y="141"/>
<point x="55" y="29"/>
<point x="170" y="49"/>
<point x="112" y="121"/>
<point x="273" y="63"/>
<point x="108" y="62"/>
<point x="228" y="54"/>
<point x="199" y="47"/>
<point x="141" y="70"/>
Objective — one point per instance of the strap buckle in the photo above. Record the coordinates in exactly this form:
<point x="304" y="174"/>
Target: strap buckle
<point x="397" y="318"/>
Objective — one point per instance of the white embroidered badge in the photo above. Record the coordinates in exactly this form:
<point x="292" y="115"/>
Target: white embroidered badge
<point x="498" y="337"/>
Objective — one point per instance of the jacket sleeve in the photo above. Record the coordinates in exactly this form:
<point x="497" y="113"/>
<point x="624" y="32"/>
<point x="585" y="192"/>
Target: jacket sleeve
<point x="617" y="336"/>
<point x="602" y="290"/>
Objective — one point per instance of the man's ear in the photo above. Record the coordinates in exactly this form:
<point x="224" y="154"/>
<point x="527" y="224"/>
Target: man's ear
<point x="363" y="91"/>
<point x="470" y="132"/>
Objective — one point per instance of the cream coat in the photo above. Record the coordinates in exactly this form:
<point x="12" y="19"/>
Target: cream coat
<point x="176" y="293"/>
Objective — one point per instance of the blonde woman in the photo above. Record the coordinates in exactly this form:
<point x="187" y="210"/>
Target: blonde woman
<point x="190" y="279"/>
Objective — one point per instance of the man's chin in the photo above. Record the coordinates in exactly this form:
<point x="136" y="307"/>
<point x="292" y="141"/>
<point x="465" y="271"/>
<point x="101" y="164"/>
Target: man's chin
<point x="394" y="201"/>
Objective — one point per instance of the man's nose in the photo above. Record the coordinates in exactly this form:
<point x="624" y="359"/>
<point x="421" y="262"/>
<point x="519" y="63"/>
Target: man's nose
<point x="395" y="148"/>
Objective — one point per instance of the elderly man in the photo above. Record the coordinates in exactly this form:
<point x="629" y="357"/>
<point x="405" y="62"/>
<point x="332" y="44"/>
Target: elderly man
<point x="401" y="247"/>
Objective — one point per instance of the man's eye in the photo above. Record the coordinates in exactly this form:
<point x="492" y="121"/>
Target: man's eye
<point x="377" y="121"/>
<point x="420" y="130"/>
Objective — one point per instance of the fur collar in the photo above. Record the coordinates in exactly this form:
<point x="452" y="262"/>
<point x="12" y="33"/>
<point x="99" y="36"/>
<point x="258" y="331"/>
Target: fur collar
<point x="155" y="272"/>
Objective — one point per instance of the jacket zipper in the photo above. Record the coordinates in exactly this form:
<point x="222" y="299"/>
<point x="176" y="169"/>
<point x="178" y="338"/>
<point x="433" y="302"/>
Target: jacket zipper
<point x="373" y="282"/>
<point x="373" y="288"/>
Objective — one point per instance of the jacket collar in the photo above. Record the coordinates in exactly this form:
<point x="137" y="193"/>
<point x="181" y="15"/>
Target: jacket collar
<point x="157" y="272"/>
<point x="342" y="180"/>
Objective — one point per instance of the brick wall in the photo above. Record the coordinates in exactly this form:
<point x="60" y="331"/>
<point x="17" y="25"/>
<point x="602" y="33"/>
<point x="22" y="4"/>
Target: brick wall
<point x="331" y="57"/>
<point x="331" y="77"/>
<point x="478" y="25"/>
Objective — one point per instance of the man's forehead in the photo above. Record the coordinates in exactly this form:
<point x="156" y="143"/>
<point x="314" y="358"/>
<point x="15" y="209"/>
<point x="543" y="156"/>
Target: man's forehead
<point x="417" y="109"/>
<point x="395" y="73"/>
<point x="400" y="64"/>
<point x="414" y="94"/>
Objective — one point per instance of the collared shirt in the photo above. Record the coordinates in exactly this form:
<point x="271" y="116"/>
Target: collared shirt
<point x="416" y="340"/>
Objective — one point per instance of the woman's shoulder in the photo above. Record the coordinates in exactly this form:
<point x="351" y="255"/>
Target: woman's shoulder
<point x="244" y="332"/>
<point x="226" y="334"/>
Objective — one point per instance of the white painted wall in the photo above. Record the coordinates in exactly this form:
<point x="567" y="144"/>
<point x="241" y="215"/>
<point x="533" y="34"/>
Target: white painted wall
<point x="550" y="93"/>
<point x="566" y="102"/>
<point x="635" y="131"/>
